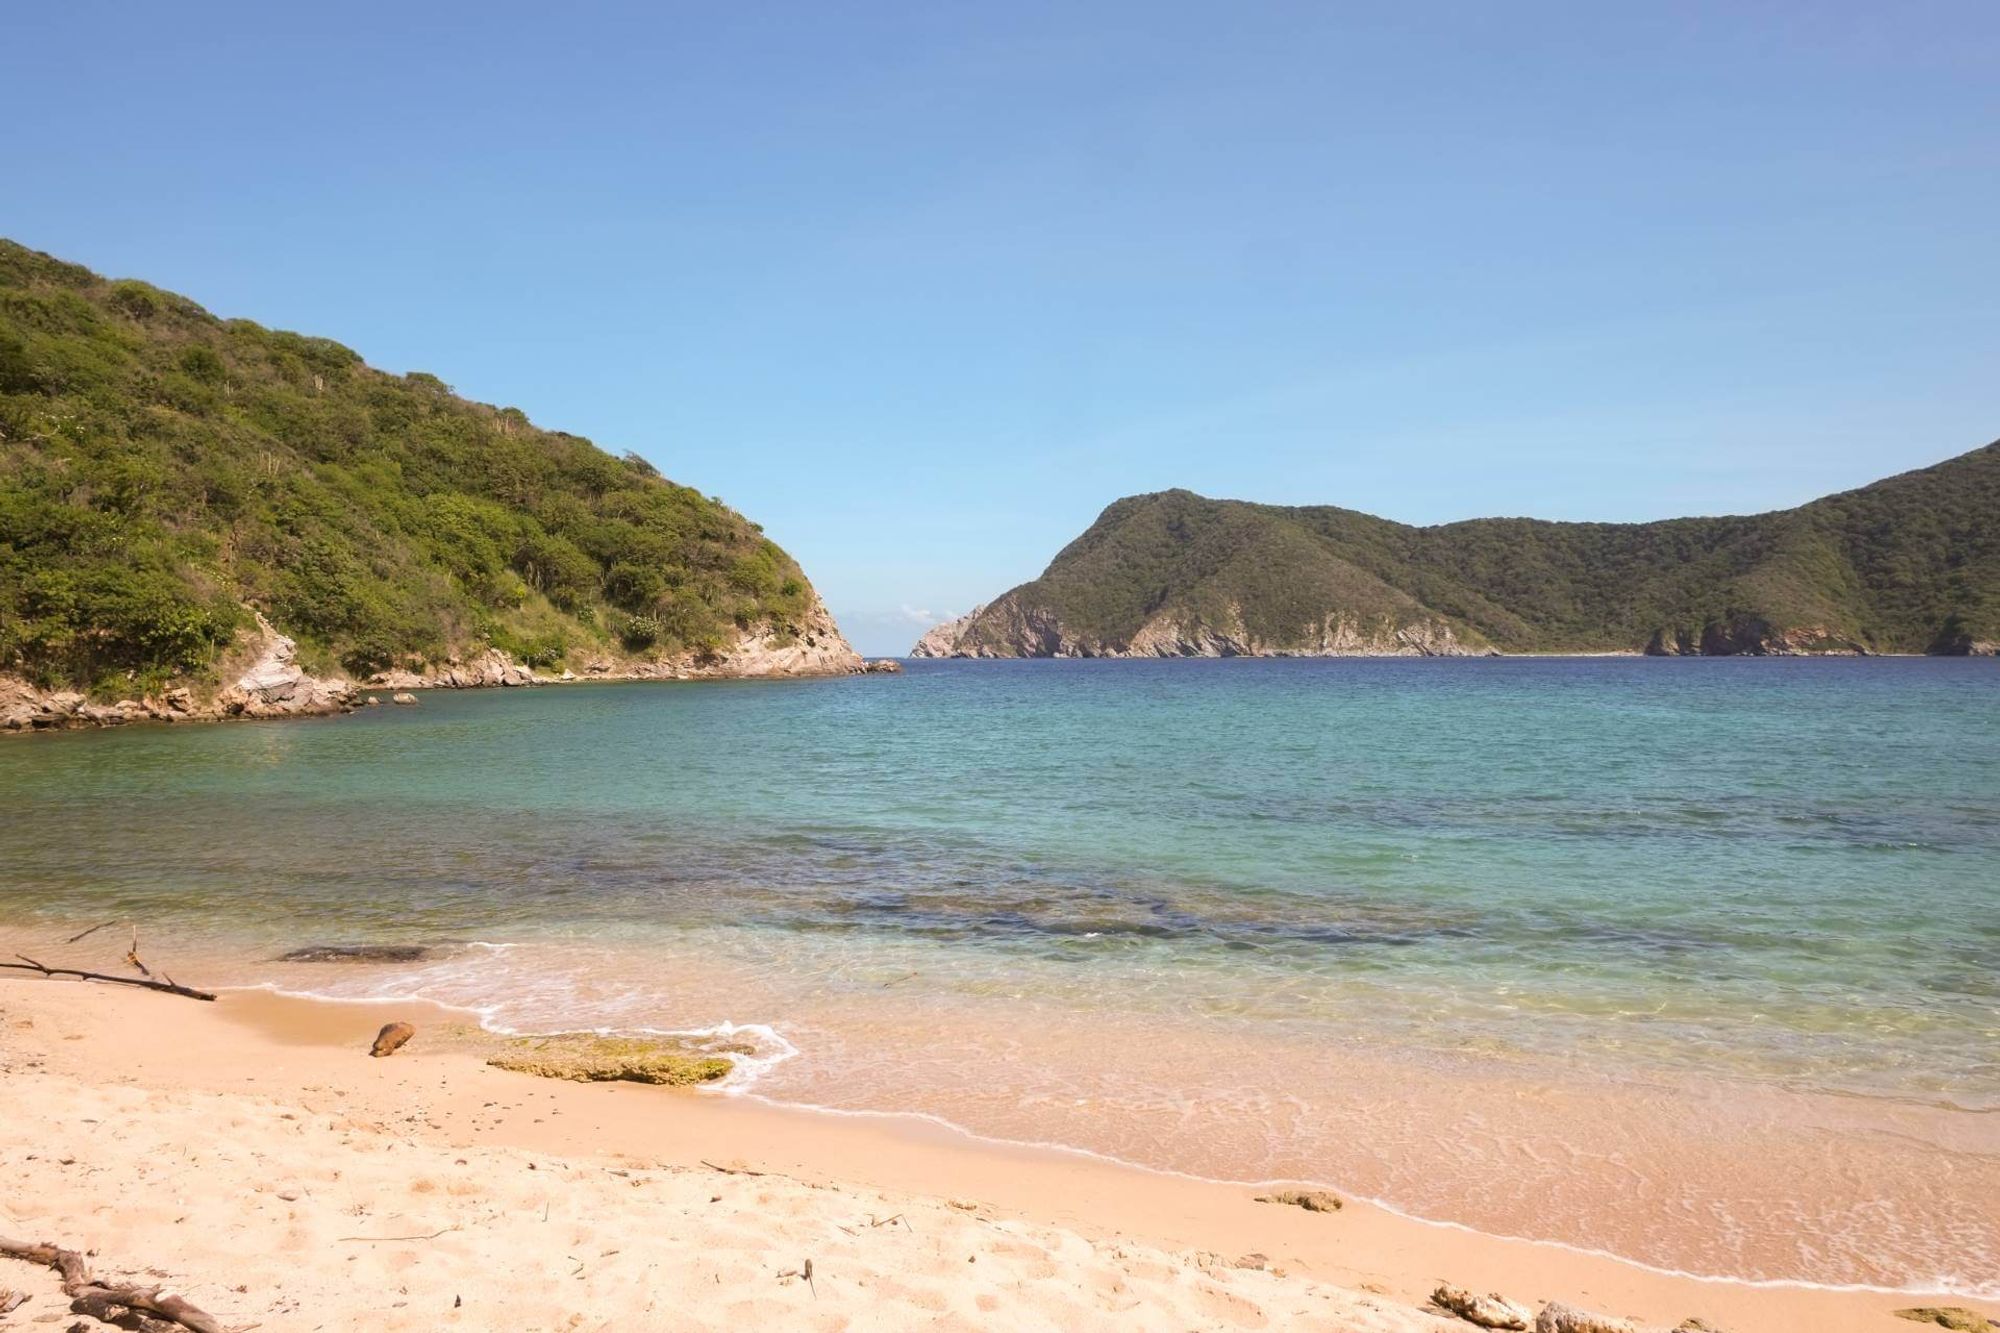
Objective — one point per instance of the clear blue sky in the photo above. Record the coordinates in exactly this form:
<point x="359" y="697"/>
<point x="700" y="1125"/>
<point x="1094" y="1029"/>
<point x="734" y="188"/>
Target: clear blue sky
<point x="922" y="287"/>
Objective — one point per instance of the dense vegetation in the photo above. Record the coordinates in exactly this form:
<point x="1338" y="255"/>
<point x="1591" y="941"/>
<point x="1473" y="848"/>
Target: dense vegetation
<point x="161" y="469"/>
<point x="1910" y="564"/>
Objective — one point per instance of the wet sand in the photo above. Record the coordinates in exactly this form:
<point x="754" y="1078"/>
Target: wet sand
<point x="252" y="1151"/>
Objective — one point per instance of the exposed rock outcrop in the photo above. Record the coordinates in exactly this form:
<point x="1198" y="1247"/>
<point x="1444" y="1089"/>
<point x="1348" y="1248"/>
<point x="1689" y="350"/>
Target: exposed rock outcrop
<point x="272" y="685"/>
<point x="1751" y="636"/>
<point x="1489" y="1311"/>
<point x="277" y="686"/>
<point x="814" y="646"/>
<point x="943" y="640"/>
<point x="884" y="666"/>
<point x="1009" y="628"/>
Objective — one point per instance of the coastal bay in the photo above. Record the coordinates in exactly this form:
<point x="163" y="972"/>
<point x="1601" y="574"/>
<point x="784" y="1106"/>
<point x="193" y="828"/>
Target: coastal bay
<point x="1700" y="978"/>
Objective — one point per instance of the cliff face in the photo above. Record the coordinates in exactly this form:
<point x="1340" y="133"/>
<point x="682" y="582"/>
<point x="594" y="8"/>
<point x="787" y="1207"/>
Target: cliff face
<point x="1909" y="564"/>
<point x="1009" y="629"/>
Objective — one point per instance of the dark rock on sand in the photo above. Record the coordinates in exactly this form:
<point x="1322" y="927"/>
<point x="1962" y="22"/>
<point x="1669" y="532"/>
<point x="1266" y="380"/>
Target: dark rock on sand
<point x="391" y="1038"/>
<point x="357" y="953"/>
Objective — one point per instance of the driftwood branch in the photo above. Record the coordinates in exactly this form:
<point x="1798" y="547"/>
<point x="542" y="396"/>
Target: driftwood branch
<point x="731" y="1170"/>
<point x="103" y="1301"/>
<point x="132" y="955"/>
<point x="92" y="931"/>
<point x="169" y="986"/>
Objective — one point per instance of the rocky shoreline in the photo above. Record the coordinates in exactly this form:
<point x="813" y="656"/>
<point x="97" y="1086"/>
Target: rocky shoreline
<point x="274" y="685"/>
<point x="1007" y="628"/>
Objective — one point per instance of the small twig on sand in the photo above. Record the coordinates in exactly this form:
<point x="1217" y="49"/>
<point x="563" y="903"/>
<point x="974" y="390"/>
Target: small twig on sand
<point x="104" y="1301"/>
<point x="890" y="1221"/>
<point x="732" y="1170"/>
<point x="805" y="1272"/>
<point x="88" y="933"/>
<point x="379" y="1240"/>
<point x="168" y="986"/>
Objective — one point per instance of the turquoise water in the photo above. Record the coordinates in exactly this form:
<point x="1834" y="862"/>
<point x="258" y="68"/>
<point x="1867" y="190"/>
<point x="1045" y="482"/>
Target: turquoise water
<point x="1779" y="876"/>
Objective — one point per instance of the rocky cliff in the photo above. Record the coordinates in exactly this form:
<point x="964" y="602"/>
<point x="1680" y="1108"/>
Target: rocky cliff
<point x="1910" y="564"/>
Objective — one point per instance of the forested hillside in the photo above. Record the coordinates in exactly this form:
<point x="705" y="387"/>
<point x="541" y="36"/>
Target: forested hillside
<point x="1910" y="564"/>
<point x="163" y="471"/>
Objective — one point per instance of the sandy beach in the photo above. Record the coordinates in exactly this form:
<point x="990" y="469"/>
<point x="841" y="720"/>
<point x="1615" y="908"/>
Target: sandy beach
<point x="250" y="1154"/>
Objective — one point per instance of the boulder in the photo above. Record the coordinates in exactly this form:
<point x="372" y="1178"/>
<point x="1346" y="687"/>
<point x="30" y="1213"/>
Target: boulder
<point x="403" y="697"/>
<point x="1559" y="1318"/>
<point x="277" y="686"/>
<point x="391" y="1038"/>
<point x="884" y="666"/>
<point x="1489" y="1311"/>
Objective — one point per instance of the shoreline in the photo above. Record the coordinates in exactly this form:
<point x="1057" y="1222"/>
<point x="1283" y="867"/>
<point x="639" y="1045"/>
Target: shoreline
<point x="925" y="1121"/>
<point x="28" y="710"/>
<point x="255" y="1041"/>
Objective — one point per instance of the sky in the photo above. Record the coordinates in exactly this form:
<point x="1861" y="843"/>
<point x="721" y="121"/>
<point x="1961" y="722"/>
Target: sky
<point x="923" y="287"/>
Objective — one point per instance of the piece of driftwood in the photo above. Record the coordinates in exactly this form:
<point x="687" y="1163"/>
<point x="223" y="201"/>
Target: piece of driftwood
<point x="731" y="1170"/>
<point x="166" y="985"/>
<point x="132" y="955"/>
<point x="104" y="1301"/>
<point x="84" y="935"/>
<point x="391" y="1038"/>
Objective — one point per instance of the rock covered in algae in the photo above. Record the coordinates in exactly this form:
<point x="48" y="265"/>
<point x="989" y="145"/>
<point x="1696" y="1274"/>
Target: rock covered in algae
<point x="1955" y="1317"/>
<point x="589" y="1058"/>
<point x="1313" y="1201"/>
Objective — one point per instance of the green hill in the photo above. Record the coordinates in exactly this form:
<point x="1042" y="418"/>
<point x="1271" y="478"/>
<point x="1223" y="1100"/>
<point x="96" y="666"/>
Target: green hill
<point x="1910" y="564"/>
<point x="163" y="472"/>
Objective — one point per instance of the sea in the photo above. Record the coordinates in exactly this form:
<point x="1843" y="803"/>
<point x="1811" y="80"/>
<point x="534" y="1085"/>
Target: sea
<point x="1692" y="961"/>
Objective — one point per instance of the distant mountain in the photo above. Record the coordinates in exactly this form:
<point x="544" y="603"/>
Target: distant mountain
<point x="1910" y="564"/>
<point x="166" y="476"/>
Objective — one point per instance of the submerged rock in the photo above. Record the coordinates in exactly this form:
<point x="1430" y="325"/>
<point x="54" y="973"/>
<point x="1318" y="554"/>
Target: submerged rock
<point x="588" y="1058"/>
<point x="1489" y="1311"/>
<point x="1313" y="1201"/>
<point x="357" y="953"/>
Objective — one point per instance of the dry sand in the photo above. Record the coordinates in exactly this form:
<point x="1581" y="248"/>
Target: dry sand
<point x="250" y="1153"/>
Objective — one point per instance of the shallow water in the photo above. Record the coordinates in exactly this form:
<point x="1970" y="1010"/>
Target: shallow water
<point x="1695" y="961"/>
